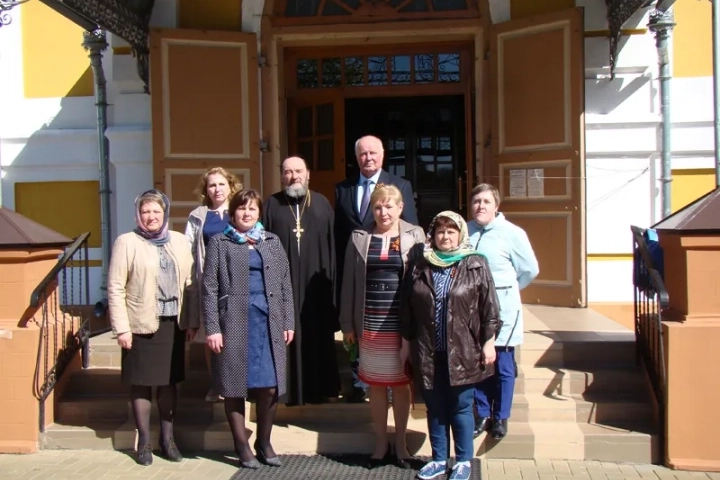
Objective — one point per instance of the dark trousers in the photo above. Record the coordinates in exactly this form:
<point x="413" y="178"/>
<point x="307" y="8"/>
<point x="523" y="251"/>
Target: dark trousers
<point x="494" y="396"/>
<point x="447" y="407"/>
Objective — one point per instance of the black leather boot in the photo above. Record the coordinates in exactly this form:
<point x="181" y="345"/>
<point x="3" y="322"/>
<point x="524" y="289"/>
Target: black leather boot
<point x="499" y="429"/>
<point x="481" y="424"/>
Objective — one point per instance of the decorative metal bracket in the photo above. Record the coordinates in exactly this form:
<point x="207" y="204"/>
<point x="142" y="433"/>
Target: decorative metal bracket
<point x="5" y="7"/>
<point x="619" y="12"/>
<point x="661" y="24"/>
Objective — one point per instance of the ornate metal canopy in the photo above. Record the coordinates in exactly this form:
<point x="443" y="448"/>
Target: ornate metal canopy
<point x="619" y="12"/>
<point x="5" y="7"/>
<point x="128" y="19"/>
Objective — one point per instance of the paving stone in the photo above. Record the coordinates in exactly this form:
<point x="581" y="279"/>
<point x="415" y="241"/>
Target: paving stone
<point x="560" y="467"/>
<point x="546" y="476"/>
<point x="529" y="474"/>
<point x="111" y="465"/>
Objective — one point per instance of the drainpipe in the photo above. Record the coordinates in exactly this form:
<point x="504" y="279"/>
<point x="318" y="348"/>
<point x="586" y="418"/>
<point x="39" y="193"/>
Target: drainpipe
<point x="716" y="83"/>
<point x="661" y="24"/>
<point x="95" y="43"/>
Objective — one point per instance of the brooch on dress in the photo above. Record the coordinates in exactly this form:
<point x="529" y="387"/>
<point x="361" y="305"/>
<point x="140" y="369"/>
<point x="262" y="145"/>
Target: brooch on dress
<point x="395" y="245"/>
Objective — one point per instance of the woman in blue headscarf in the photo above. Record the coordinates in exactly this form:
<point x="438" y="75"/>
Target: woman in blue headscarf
<point x="148" y="278"/>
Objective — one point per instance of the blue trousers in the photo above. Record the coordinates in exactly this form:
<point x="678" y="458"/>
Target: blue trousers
<point x="447" y="407"/>
<point x="494" y="396"/>
<point x="357" y="383"/>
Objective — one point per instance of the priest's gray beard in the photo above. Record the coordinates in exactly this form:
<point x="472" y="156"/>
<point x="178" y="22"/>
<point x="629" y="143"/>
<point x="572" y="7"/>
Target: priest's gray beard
<point x="296" y="191"/>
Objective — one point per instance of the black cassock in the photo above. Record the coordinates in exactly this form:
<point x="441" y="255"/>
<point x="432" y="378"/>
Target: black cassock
<point x="312" y="370"/>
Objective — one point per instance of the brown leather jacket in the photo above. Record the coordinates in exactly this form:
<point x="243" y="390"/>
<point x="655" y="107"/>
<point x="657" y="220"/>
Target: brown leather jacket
<point x="473" y="318"/>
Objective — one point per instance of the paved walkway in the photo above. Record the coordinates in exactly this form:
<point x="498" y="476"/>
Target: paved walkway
<point x="111" y="465"/>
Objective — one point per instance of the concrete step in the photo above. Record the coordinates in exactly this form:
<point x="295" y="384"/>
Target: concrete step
<point x="97" y="395"/>
<point x="589" y="380"/>
<point x="577" y="350"/>
<point x="525" y="440"/>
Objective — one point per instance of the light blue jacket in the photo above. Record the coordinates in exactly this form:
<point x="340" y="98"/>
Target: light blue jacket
<point x="513" y="266"/>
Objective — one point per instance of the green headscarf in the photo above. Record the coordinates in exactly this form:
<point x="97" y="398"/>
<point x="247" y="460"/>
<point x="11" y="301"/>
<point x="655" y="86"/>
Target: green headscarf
<point x="451" y="257"/>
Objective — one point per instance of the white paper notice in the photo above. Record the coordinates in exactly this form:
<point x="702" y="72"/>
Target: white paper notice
<point x="536" y="182"/>
<point x="518" y="183"/>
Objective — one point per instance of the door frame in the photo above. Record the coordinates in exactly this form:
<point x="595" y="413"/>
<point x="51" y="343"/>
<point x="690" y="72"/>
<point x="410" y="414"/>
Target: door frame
<point x="281" y="42"/>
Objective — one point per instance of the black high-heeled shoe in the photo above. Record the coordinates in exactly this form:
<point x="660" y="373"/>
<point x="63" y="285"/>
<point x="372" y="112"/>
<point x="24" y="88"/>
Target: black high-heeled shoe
<point x="271" y="461"/>
<point x="380" y="462"/>
<point x="404" y="463"/>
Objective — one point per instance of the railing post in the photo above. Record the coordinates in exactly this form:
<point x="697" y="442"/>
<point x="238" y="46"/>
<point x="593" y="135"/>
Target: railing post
<point x="86" y="344"/>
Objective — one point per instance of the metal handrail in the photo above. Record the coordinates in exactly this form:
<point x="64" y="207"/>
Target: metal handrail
<point x="63" y="332"/>
<point x="650" y="300"/>
<point x="52" y="275"/>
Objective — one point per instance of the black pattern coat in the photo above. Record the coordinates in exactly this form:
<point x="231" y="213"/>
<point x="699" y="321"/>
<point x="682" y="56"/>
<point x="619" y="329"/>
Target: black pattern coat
<point x="225" y="308"/>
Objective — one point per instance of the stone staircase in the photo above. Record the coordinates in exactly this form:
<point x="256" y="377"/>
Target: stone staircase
<point x="579" y="396"/>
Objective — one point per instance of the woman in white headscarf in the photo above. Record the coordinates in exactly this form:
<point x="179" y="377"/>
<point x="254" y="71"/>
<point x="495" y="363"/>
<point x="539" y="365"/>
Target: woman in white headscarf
<point x="448" y="319"/>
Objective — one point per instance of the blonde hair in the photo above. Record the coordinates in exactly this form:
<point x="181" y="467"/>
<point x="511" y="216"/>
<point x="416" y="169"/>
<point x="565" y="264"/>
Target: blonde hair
<point x="201" y="190"/>
<point x="385" y="192"/>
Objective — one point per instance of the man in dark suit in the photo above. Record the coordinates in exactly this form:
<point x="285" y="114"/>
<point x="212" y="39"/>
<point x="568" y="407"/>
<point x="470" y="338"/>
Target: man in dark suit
<point x="353" y="211"/>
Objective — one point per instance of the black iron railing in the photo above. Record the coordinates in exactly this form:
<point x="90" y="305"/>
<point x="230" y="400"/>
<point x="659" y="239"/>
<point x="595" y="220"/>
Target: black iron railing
<point x="62" y="300"/>
<point x="651" y="299"/>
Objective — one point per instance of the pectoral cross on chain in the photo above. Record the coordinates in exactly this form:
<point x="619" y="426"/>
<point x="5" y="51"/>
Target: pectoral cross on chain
<point x="298" y="230"/>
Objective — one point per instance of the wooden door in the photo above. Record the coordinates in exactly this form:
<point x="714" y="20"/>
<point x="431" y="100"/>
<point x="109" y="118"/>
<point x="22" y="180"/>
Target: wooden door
<point x="317" y="135"/>
<point x="424" y="141"/>
<point x="205" y="113"/>
<point x="538" y="157"/>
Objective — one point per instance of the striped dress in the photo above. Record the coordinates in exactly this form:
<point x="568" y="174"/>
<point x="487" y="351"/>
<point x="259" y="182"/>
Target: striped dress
<point x="380" y="342"/>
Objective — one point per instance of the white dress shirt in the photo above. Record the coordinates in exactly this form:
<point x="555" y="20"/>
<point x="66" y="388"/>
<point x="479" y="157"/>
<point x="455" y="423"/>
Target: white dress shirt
<point x="361" y="186"/>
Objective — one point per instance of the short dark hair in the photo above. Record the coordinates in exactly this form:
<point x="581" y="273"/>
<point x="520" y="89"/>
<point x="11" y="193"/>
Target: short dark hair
<point x="486" y="187"/>
<point x="242" y="198"/>
<point x="442" y="222"/>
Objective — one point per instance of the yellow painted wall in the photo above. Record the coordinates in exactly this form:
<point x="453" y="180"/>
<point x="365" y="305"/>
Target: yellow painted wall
<point x="54" y="62"/>
<point x="70" y="208"/>
<point x="689" y="185"/>
<point x="609" y="257"/>
<point x="210" y="14"/>
<point x="692" y="39"/>
<point x="527" y="8"/>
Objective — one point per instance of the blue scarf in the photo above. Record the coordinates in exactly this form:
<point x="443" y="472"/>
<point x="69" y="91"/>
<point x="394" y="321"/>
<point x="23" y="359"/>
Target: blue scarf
<point x="253" y="236"/>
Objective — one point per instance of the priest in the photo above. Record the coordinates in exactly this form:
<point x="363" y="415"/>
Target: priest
<point x="303" y="220"/>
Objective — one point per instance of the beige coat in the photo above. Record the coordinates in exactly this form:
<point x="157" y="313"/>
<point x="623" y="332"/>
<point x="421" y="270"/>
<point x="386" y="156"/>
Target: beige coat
<point x="132" y="282"/>
<point x="352" y="297"/>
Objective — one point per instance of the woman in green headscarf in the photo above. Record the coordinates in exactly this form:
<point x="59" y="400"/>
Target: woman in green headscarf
<point x="448" y="319"/>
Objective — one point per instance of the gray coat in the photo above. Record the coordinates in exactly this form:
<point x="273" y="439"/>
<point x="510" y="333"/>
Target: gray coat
<point x="194" y="234"/>
<point x="352" y="297"/>
<point x="225" y="308"/>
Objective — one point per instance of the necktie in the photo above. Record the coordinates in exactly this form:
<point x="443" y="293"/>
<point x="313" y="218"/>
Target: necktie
<point x="365" y="200"/>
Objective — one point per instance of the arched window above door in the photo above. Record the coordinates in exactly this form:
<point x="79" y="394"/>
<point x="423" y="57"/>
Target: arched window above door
<point x="340" y="11"/>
